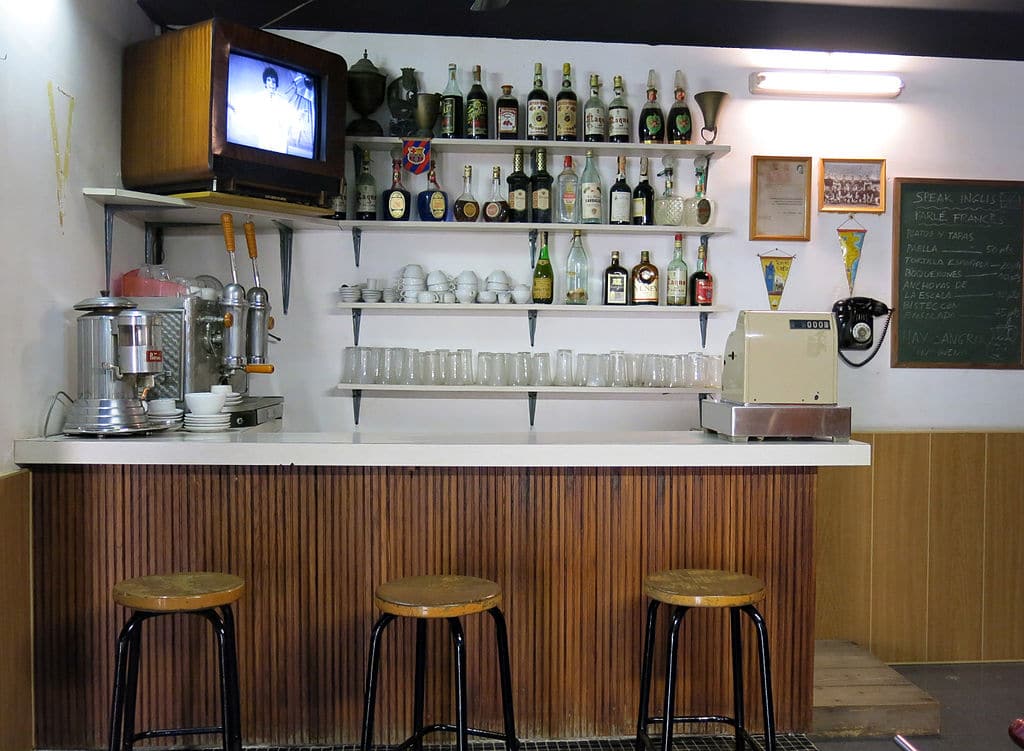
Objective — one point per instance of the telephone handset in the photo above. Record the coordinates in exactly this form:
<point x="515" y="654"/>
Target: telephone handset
<point x="855" y="324"/>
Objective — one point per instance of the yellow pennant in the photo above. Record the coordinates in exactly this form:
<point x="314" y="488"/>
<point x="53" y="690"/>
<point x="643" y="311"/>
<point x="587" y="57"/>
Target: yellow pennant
<point x="775" y="270"/>
<point x="61" y="159"/>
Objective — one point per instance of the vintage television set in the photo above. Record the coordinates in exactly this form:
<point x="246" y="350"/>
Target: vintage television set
<point x="224" y="108"/>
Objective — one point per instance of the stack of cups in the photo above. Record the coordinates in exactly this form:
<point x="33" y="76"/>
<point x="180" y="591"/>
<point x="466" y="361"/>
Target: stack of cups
<point x="412" y="282"/>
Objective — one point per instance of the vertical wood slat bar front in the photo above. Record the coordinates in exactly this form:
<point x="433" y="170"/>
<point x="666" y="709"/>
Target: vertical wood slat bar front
<point x="570" y="548"/>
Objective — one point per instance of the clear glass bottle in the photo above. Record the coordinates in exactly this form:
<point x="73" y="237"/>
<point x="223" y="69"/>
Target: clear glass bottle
<point x="577" y="272"/>
<point x="591" y="194"/>
<point x="466" y="207"/>
<point x="677" y="276"/>
<point x="506" y="114"/>
<point x="595" y="114"/>
<point x="452" y="121"/>
<point x="518" y="190"/>
<point x="668" y="207"/>
<point x="366" y="192"/>
<point x="396" y="198"/>
<point x="702" y="284"/>
<point x="477" y="114"/>
<point x="643" y="197"/>
<point x="698" y="210"/>
<point x="432" y="203"/>
<point x="620" y="197"/>
<point x="540" y="188"/>
<point x="543" y="275"/>
<point x="618" y="115"/>
<point x="538" y="109"/>
<point x="651" y="122"/>
<point x="616" y="283"/>
<point x="496" y="207"/>
<point x="644" y="281"/>
<point x="680" y="125"/>
<point x="568" y="191"/>
<point x="566" y="108"/>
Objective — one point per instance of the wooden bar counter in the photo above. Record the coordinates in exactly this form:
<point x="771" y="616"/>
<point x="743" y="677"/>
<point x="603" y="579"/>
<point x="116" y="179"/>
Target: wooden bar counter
<point x="567" y="523"/>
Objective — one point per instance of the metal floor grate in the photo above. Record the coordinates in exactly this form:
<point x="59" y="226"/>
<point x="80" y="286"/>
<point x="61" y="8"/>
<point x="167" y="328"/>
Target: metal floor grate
<point x="786" y="742"/>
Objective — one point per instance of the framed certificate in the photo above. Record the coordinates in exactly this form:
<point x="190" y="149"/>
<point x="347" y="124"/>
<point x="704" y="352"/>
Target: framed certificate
<point x="780" y="198"/>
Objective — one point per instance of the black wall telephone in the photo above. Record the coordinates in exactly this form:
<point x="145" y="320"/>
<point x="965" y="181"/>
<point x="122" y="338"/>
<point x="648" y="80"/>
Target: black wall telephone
<point x="855" y="321"/>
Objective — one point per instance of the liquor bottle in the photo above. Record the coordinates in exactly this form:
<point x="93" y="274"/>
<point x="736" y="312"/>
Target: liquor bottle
<point x="518" y="190"/>
<point x="366" y="192"/>
<point x="339" y="203"/>
<point x="591" y="195"/>
<point x="616" y="283"/>
<point x="396" y="198"/>
<point x="568" y="193"/>
<point x="680" y="126"/>
<point x="644" y="281"/>
<point x="538" y="109"/>
<point x="618" y="115"/>
<point x="577" y="272"/>
<point x="477" y="116"/>
<point x="698" y="210"/>
<point x="643" y="197"/>
<point x="668" y="207"/>
<point x="543" y="275"/>
<point x="466" y="207"/>
<point x="677" y="276"/>
<point x="651" y="123"/>
<point x="451" y="107"/>
<point x="595" y="114"/>
<point x="702" y="284"/>
<point x="432" y="203"/>
<point x="540" y="188"/>
<point x="507" y="114"/>
<point x="566" y="109"/>
<point x="496" y="207"/>
<point x="620" y="197"/>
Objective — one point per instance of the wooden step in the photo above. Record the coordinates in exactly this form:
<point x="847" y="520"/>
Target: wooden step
<point x="858" y="695"/>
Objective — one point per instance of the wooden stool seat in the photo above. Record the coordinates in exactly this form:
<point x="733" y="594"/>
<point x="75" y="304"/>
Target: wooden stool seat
<point x="179" y="593"/>
<point x="704" y="588"/>
<point x="443" y="596"/>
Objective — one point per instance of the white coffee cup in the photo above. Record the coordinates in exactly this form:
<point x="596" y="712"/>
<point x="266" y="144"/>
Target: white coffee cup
<point x="427" y="297"/>
<point x="498" y="277"/>
<point x="521" y="294"/>
<point x="504" y="298"/>
<point x="448" y="297"/>
<point x="467" y="277"/>
<point x="438" y="277"/>
<point x="374" y="284"/>
<point x="486" y="295"/>
<point x="413" y="271"/>
<point x="164" y="406"/>
<point x="465" y="295"/>
<point x="221" y="388"/>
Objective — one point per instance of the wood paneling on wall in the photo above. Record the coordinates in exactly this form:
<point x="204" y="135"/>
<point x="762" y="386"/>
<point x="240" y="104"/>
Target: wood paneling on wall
<point x="918" y="556"/>
<point x="570" y="548"/>
<point x="16" y="613"/>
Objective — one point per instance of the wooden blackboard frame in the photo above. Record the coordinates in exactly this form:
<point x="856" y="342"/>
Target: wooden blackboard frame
<point x="901" y="360"/>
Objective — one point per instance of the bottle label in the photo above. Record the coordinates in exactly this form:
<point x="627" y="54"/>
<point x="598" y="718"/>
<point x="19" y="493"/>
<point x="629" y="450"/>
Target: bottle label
<point x="493" y="210"/>
<point x="366" y="200"/>
<point x="703" y="211"/>
<point x="476" y="118"/>
<point x="676" y="292"/>
<point x="542" y="199"/>
<point x="565" y="119"/>
<point x="508" y="121"/>
<point x="639" y="207"/>
<point x="654" y="124"/>
<point x="615" y="289"/>
<point x="569" y="201"/>
<point x="542" y="288"/>
<point x="704" y="291"/>
<point x="645" y="291"/>
<point x="517" y="200"/>
<point x="438" y="205"/>
<point x="537" y="117"/>
<point x="591" y="208"/>
<point x="396" y="205"/>
<point x="620" y="206"/>
<point x="683" y="127"/>
<point x="447" y="116"/>
<point x="618" y="121"/>
<point x="594" y="122"/>
<point x="469" y="210"/>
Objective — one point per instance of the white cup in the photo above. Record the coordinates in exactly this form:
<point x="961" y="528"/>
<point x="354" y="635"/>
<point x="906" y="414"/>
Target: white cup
<point x="163" y="406"/>
<point x="374" y="284"/>
<point x="521" y="294"/>
<point x="438" y="277"/>
<point x="486" y="295"/>
<point x="448" y="297"/>
<point x="465" y="295"/>
<point x="504" y="298"/>
<point x="413" y="271"/>
<point x="497" y="277"/>
<point x="427" y="297"/>
<point x="218" y="388"/>
<point x="467" y="277"/>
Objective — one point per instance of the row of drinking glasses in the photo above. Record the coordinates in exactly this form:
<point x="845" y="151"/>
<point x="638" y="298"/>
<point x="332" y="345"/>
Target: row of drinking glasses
<point x="443" y="367"/>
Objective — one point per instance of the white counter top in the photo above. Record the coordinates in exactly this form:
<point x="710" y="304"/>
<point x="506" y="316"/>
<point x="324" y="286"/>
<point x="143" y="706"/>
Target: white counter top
<point x="260" y="446"/>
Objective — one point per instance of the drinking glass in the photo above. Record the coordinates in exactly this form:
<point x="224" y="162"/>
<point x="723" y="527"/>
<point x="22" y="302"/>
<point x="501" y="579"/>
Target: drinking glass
<point x="444" y="363"/>
<point x="563" y="368"/>
<point x="366" y="365"/>
<point x="695" y="369"/>
<point x="595" y="373"/>
<point x="460" y="372"/>
<point x="676" y="371"/>
<point x="634" y="369"/>
<point x="540" y="369"/>
<point x="499" y="373"/>
<point x="580" y="373"/>
<point x="349" y="360"/>
<point x="391" y="364"/>
<point x="484" y="366"/>
<point x="617" y="372"/>
<point x="519" y="369"/>
<point x="430" y="368"/>
<point x="715" y="364"/>
<point x="410" y="376"/>
<point x="655" y="374"/>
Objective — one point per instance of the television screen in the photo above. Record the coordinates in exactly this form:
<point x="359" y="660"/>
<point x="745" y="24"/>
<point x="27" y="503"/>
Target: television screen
<point x="271" y="106"/>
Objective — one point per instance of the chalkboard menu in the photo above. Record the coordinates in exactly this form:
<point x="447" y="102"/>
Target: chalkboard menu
<point x="958" y="256"/>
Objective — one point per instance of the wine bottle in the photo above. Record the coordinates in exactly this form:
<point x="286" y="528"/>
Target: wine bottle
<point x="540" y="188"/>
<point x="518" y="190"/>
<point x="644" y="279"/>
<point x="432" y="203"/>
<point x="668" y="207"/>
<point x="620" y="197"/>
<point x="616" y="283"/>
<point x="451" y="107"/>
<point x="538" y="108"/>
<point x="396" y="198"/>
<point x="677" y="276"/>
<point x="366" y="192"/>
<point x="477" y="116"/>
<point x="618" y="115"/>
<point x="543" y="275"/>
<point x="702" y="284"/>
<point x="566" y="108"/>
<point x="591" y="195"/>
<point x="496" y="207"/>
<point x="595" y="114"/>
<point x="680" y="126"/>
<point x="577" y="272"/>
<point x="651" y="122"/>
<point x="466" y="207"/>
<point x="568" y="193"/>
<point x="507" y="114"/>
<point x="643" y="197"/>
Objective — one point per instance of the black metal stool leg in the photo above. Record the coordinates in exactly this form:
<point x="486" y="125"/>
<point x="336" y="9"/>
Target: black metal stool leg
<point x="766" y="677"/>
<point x="505" y="675"/>
<point x="370" y="693"/>
<point x="420" y="681"/>
<point x="224" y="670"/>
<point x="117" y="706"/>
<point x="642" y="715"/>
<point x="459" y="651"/>
<point x="233" y="717"/>
<point x="132" y="683"/>
<point x="670" y="676"/>
<point x="737" y="678"/>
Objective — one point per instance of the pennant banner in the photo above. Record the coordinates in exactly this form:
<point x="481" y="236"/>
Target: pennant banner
<point x="850" y="242"/>
<point x="776" y="271"/>
<point x="416" y="155"/>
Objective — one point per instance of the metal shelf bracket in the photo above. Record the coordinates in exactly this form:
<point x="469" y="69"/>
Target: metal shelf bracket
<point x="357" y="241"/>
<point x="357" y="315"/>
<point x="286" y="235"/>
<point x="531" y="316"/>
<point x="531" y="396"/>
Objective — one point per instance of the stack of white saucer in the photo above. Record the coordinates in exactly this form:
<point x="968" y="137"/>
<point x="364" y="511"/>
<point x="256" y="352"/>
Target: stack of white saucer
<point x="232" y="399"/>
<point x="350" y="294"/>
<point x="207" y="423"/>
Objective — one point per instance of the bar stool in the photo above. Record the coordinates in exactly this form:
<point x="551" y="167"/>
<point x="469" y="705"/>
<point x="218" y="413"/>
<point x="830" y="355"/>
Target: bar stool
<point x="448" y="597"/>
<point x="204" y="594"/>
<point x="704" y="588"/>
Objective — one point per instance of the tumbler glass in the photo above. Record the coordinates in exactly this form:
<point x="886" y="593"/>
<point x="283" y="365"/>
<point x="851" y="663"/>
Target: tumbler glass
<point x="540" y="369"/>
<point x="349" y="359"/>
<point x="484" y="366"/>
<point x="519" y="369"/>
<point x="563" y="368"/>
<point x="618" y="375"/>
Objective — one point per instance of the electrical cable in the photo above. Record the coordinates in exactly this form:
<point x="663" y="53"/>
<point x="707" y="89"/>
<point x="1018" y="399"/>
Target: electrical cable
<point x="878" y="345"/>
<point x="49" y="412"/>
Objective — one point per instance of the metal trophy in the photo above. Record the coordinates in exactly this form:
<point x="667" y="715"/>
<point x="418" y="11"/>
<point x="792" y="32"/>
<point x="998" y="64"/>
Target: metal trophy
<point x="401" y="96"/>
<point x="366" y="94"/>
<point x="710" y="102"/>
<point x="428" y="107"/>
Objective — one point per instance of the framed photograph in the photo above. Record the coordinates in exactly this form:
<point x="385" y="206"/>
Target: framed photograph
<point x="852" y="186"/>
<point x="780" y="198"/>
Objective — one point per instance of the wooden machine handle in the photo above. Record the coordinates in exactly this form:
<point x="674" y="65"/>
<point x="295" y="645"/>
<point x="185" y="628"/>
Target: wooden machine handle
<point x="250" y="238"/>
<point x="266" y="369"/>
<point x="227" y="223"/>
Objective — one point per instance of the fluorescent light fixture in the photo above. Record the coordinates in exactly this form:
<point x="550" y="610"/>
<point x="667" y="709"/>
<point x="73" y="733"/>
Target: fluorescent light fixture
<point x="826" y="83"/>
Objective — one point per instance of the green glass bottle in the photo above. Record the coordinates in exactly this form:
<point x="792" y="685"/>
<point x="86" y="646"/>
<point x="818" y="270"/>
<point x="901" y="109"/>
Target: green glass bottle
<point x="543" y="275"/>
